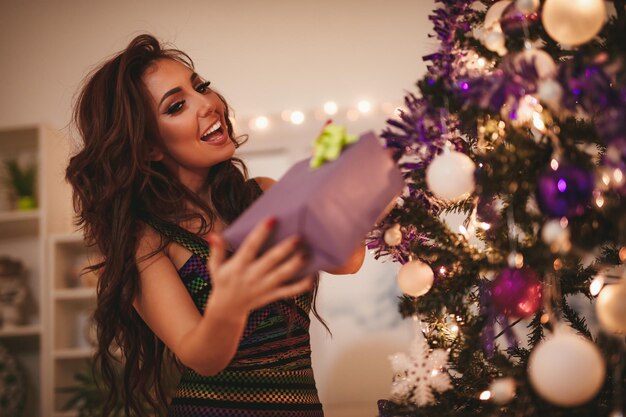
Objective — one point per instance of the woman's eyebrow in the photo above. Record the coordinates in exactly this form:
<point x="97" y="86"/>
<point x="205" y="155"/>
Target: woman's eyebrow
<point x="176" y="89"/>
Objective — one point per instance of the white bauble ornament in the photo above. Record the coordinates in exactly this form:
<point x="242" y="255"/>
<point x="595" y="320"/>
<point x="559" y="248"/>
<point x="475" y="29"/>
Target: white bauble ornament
<point x="543" y="62"/>
<point x="393" y="235"/>
<point x="553" y="234"/>
<point x="492" y="17"/>
<point x="611" y="307"/>
<point x="450" y="176"/>
<point x="566" y="369"/>
<point x="527" y="6"/>
<point x="415" y="278"/>
<point x="573" y="22"/>
<point x="494" y="41"/>
<point x="550" y="92"/>
<point x="502" y="390"/>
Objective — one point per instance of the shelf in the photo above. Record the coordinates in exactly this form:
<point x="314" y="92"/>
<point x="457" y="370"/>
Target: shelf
<point x="86" y="293"/>
<point x="19" y="223"/>
<point x="23" y="236"/>
<point x="20" y="331"/>
<point x="18" y="215"/>
<point x="74" y="353"/>
<point x="72" y="238"/>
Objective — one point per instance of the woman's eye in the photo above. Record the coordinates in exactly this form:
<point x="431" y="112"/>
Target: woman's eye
<point x="204" y="87"/>
<point x="175" y="107"/>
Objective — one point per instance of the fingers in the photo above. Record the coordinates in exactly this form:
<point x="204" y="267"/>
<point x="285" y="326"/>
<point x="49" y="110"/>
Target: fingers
<point x="277" y="254"/>
<point x="286" y="270"/>
<point x="250" y="281"/>
<point x="254" y="241"/>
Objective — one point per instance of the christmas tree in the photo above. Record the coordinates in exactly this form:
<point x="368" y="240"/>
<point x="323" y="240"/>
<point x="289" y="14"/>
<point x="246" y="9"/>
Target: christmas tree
<point x="519" y="129"/>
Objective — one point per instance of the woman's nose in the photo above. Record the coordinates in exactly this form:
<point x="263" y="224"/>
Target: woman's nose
<point x="206" y="106"/>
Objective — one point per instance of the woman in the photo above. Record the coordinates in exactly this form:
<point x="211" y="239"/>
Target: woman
<point x="154" y="182"/>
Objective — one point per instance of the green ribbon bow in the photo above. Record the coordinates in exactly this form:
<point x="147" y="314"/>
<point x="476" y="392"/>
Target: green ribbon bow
<point x="329" y="144"/>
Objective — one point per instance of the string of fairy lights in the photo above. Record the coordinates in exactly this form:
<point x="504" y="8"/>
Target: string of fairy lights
<point x="328" y="110"/>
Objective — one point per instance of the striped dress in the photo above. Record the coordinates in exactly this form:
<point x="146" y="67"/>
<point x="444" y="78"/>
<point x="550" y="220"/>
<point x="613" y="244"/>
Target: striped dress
<point x="271" y="372"/>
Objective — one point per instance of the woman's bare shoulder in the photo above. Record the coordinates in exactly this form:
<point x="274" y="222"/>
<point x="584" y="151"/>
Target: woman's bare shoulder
<point x="149" y="246"/>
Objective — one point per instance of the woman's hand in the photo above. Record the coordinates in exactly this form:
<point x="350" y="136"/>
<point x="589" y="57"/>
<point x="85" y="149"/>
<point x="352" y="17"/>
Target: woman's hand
<point x="246" y="281"/>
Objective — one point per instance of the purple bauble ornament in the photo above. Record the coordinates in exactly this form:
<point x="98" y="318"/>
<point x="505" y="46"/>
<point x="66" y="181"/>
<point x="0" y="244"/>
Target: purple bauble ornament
<point x="512" y="20"/>
<point x="516" y="292"/>
<point x="564" y="192"/>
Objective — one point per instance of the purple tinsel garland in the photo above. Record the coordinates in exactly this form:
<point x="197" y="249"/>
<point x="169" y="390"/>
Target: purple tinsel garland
<point x="507" y="84"/>
<point x="419" y="133"/>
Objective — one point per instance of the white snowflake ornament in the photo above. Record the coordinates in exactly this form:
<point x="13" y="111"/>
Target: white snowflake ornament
<point x="420" y="374"/>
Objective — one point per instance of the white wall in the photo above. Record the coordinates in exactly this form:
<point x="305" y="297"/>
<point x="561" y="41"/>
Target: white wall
<point x="265" y="56"/>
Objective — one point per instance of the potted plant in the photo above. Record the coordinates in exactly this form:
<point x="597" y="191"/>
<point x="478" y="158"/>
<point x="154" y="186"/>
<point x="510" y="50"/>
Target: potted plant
<point x="22" y="182"/>
<point x="87" y="395"/>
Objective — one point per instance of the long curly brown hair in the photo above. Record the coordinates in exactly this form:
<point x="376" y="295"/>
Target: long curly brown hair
<point x="116" y="189"/>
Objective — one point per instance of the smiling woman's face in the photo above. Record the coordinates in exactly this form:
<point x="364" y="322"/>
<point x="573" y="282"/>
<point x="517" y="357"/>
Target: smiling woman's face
<point x="190" y="119"/>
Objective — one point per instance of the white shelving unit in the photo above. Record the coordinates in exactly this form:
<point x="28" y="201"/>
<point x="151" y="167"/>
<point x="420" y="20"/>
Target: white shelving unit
<point x="23" y="236"/>
<point x="72" y="301"/>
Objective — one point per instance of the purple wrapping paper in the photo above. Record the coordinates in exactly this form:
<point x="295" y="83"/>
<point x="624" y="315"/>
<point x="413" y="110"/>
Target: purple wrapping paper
<point x="332" y="207"/>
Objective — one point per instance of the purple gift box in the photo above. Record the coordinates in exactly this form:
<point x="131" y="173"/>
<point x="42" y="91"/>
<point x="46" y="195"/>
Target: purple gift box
<point x="332" y="207"/>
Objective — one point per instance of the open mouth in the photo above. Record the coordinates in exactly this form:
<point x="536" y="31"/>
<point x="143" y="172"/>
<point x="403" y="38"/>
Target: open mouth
<point x="214" y="132"/>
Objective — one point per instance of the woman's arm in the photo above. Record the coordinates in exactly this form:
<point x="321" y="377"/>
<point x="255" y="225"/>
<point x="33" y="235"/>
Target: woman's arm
<point x="208" y="342"/>
<point x="352" y="265"/>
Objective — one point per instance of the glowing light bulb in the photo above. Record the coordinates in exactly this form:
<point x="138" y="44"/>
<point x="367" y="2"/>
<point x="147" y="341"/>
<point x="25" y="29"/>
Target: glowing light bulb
<point x="364" y="106"/>
<point x="599" y="201"/>
<point x="554" y="164"/>
<point x="485" y="395"/>
<point x="538" y="122"/>
<point x="596" y="285"/>
<point x="296" y="117"/>
<point x="260" y="123"/>
<point x="330" y="107"/>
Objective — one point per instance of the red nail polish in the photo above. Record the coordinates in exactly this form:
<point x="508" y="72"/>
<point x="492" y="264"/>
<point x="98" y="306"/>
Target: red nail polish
<point x="271" y="222"/>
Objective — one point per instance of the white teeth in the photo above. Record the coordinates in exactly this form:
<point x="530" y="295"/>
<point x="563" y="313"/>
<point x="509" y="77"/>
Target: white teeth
<point x="213" y="128"/>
